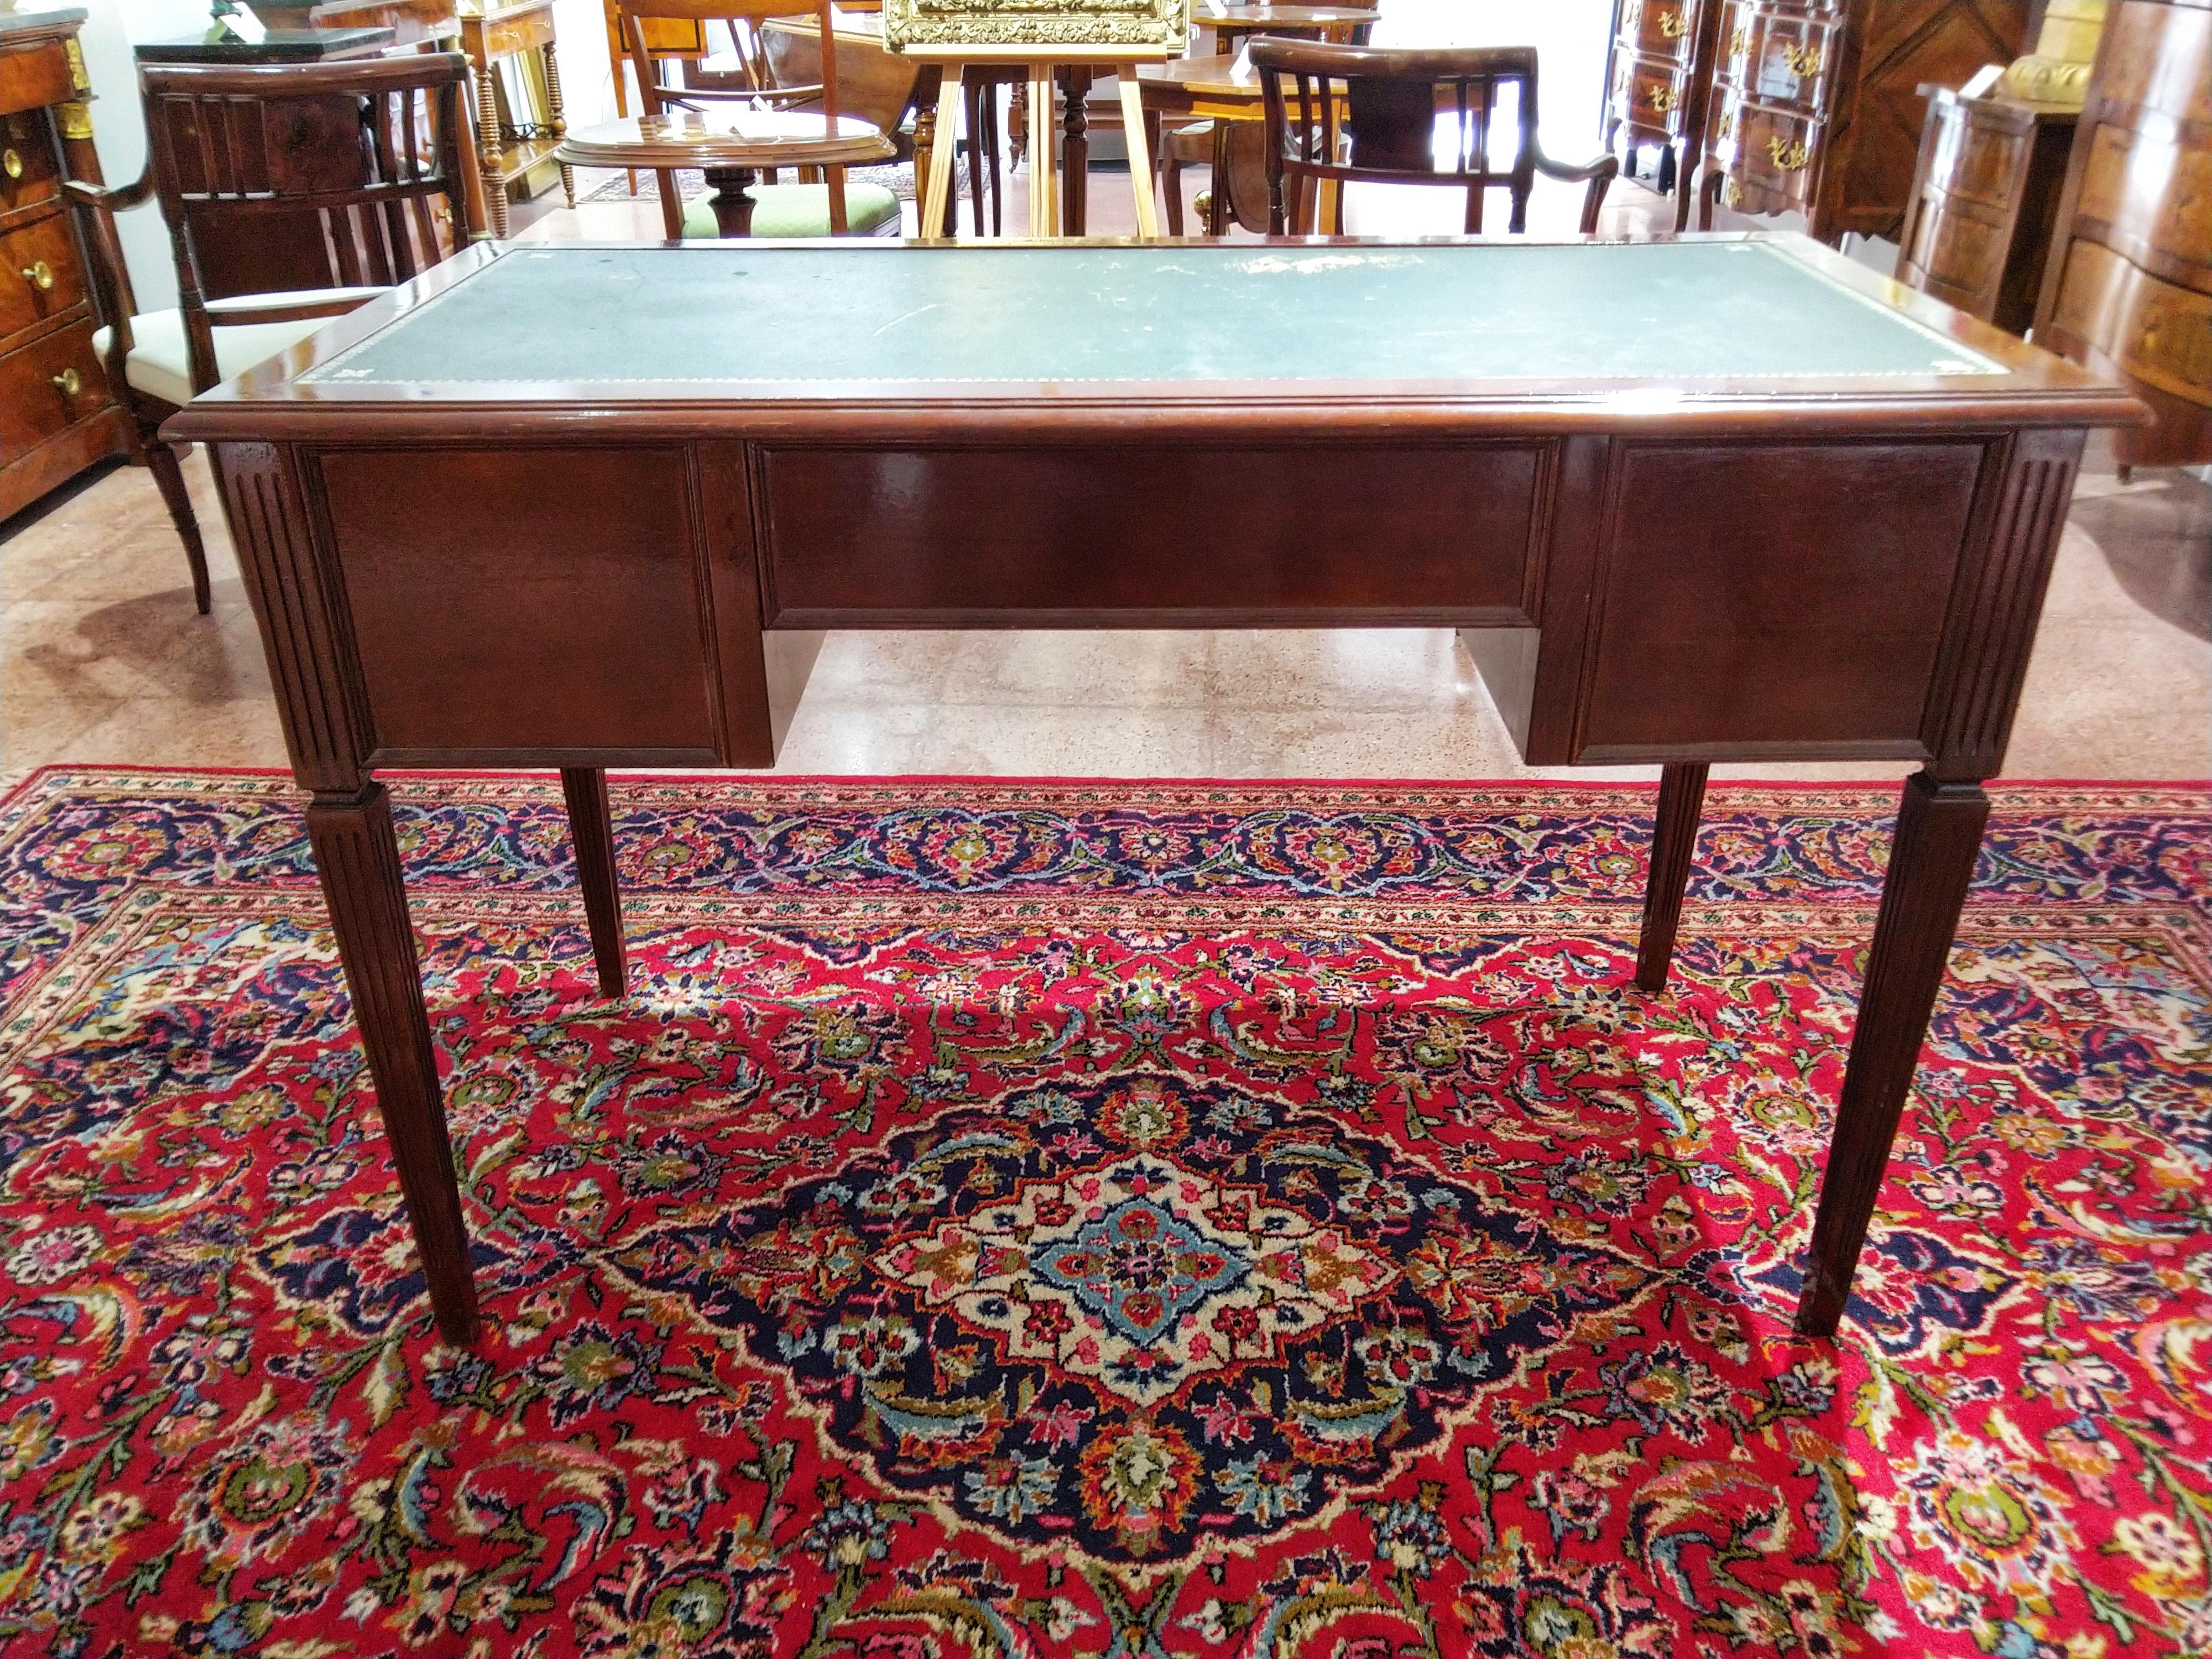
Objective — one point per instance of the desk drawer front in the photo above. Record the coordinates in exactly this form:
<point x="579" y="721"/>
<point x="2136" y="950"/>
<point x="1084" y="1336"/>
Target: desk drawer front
<point x="1218" y="536"/>
<point x="525" y="601"/>
<point x="1749" y="596"/>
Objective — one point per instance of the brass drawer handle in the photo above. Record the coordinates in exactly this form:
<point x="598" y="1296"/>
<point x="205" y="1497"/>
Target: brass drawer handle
<point x="38" y="273"/>
<point x="1804" y="61"/>
<point x="1789" y="156"/>
<point x="67" y="382"/>
<point x="11" y="163"/>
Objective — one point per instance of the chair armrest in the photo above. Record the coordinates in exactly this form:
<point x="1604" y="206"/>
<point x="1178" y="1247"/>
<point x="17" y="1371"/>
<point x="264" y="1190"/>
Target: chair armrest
<point x="1601" y="173"/>
<point x="96" y="207"/>
<point x="1606" y="166"/>
<point x="104" y="200"/>
<point x="286" y="309"/>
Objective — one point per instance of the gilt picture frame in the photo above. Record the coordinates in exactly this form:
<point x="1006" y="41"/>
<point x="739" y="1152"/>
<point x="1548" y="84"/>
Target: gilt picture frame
<point x="1064" y="30"/>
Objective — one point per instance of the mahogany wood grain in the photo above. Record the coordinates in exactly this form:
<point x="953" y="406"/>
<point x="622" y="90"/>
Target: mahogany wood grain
<point x="358" y="857"/>
<point x="1674" y="840"/>
<point x="591" y="830"/>
<point x="1009" y="536"/>
<point x="1931" y="862"/>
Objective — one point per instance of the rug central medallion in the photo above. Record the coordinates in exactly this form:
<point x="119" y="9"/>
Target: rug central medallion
<point x="1118" y="1312"/>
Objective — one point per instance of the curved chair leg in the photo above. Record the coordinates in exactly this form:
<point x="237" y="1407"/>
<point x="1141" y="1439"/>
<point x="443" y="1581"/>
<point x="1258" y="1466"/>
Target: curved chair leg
<point x="169" y="478"/>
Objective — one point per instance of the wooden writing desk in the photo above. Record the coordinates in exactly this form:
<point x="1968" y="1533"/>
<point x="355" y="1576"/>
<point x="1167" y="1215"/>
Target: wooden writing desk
<point x="1718" y="498"/>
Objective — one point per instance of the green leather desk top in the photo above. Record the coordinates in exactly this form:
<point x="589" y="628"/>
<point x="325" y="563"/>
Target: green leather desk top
<point x="732" y="320"/>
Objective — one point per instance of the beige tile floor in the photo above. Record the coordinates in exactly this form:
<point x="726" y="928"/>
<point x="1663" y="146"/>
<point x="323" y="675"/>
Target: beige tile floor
<point x="102" y="658"/>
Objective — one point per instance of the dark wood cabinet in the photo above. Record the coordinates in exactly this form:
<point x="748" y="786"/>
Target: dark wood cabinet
<point x="1816" y="104"/>
<point x="1984" y="204"/>
<point x="57" y="416"/>
<point x="1660" y="75"/>
<point x="2129" y="287"/>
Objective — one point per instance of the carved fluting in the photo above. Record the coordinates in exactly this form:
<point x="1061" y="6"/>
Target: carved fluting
<point x="358" y="858"/>
<point x="1931" y="864"/>
<point x="1995" y="610"/>
<point x="1675" y="838"/>
<point x="325" y="726"/>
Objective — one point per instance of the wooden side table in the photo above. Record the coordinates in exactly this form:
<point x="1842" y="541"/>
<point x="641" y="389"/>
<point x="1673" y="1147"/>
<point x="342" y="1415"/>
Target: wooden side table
<point x="731" y="148"/>
<point x="514" y="145"/>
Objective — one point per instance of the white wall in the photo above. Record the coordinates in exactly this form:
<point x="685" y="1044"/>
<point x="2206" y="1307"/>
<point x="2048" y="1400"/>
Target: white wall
<point x="119" y="129"/>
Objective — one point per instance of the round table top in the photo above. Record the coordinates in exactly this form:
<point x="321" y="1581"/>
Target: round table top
<point x="1225" y="75"/>
<point x="728" y="139"/>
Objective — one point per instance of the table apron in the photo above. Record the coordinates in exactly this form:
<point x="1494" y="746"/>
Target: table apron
<point x="1631" y="596"/>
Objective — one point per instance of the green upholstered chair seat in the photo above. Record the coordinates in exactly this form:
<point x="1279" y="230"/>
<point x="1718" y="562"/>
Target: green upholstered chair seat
<point x="800" y="210"/>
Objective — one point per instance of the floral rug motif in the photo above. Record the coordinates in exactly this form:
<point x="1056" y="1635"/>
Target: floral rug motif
<point x="1100" y="1219"/>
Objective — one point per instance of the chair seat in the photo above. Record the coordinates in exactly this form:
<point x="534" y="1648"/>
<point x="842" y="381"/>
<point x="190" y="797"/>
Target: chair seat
<point x="784" y="210"/>
<point x="160" y="367"/>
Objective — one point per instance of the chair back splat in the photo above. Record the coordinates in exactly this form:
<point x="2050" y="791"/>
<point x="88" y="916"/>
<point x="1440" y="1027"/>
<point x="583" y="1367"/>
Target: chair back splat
<point x="290" y="178"/>
<point x="1337" y="115"/>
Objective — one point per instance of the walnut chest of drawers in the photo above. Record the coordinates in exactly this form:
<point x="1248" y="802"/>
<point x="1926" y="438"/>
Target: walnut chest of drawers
<point x="2128" y="285"/>
<point x="55" y="416"/>
<point x="1655" y="92"/>
<point x="1816" y="105"/>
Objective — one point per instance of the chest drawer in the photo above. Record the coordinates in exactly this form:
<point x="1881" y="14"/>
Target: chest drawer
<point x="1659" y="28"/>
<point x="2157" y="332"/>
<point x="48" y="386"/>
<point x="1767" y="153"/>
<point x="30" y="172"/>
<point x="34" y="78"/>
<point x="41" y="277"/>
<point x="1650" y="95"/>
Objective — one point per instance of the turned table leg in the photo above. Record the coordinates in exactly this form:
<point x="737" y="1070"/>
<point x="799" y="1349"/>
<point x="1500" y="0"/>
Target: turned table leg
<point x="1682" y="798"/>
<point x="359" y="859"/>
<point x="733" y="200"/>
<point x="590" y="826"/>
<point x="1931" y="863"/>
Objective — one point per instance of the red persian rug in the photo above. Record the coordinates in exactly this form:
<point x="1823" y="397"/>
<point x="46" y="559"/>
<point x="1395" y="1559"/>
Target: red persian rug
<point x="1105" y="1219"/>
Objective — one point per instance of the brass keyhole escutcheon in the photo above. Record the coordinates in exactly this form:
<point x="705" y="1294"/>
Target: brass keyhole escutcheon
<point x="38" y="273"/>
<point x="69" y="383"/>
<point x="11" y="164"/>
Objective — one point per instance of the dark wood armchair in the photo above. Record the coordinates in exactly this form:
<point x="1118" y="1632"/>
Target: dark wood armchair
<point x="1337" y="115"/>
<point x="830" y="208"/>
<point x="292" y="194"/>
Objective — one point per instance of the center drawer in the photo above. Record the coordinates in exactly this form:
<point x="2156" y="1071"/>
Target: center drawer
<point x="1046" y="537"/>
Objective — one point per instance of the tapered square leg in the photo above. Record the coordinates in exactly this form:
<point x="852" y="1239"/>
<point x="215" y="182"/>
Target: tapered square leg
<point x="592" y="828"/>
<point x="1681" y="799"/>
<point x="1931" y="864"/>
<point x="359" y="859"/>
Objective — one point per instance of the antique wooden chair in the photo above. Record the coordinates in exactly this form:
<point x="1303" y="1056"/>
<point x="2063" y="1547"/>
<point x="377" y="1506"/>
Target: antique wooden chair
<point x="829" y="208"/>
<point x="1364" y="114"/>
<point x="292" y="194"/>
